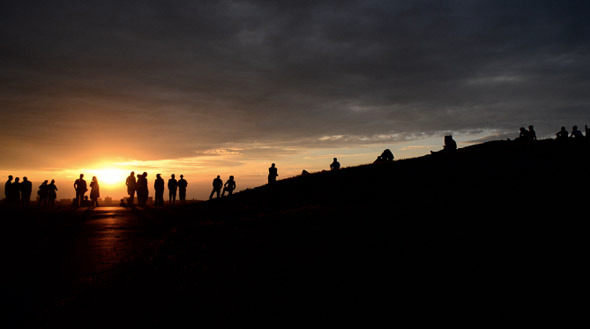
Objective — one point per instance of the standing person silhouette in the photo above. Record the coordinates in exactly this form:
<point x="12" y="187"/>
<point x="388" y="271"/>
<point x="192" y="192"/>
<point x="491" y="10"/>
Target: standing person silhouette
<point x="51" y="192"/>
<point x="142" y="189"/>
<point x="26" y="189"/>
<point x="43" y="193"/>
<point x="131" y="186"/>
<point x="229" y="186"/>
<point x="182" y="183"/>
<point x="172" y="186"/>
<point x="81" y="188"/>
<point x="16" y="189"/>
<point x="335" y="165"/>
<point x="217" y="184"/>
<point x="8" y="189"/>
<point x="272" y="174"/>
<point x="94" y="192"/>
<point x="159" y="188"/>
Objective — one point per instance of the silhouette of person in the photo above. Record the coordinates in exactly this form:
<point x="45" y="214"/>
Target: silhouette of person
<point x="16" y="189"/>
<point x="94" y="192"/>
<point x="141" y="188"/>
<point x="43" y="193"/>
<point x="159" y="188"/>
<point x="304" y="172"/>
<point x="449" y="146"/>
<point x="8" y="190"/>
<point x="272" y="174"/>
<point x="576" y="133"/>
<point x="81" y="188"/>
<point x="51" y="192"/>
<point x="335" y="165"/>
<point x="387" y="155"/>
<point x="562" y="134"/>
<point x="229" y="186"/>
<point x="131" y="186"/>
<point x="172" y="186"/>
<point x="26" y="189"/>
<point x="532" y="133"/>
<point x="524" y="135"/>
<point x="217" y="184"/>
<point x="182" y="183"/>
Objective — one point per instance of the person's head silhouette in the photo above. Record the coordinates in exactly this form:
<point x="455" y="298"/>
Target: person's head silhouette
<point x="172" y="175"/>
<point x="181" y="176"/>
<point x="231" y="177"/>
<point x="25" y="179"/>
<point x="16" y="180"/>
<point x="52" y="181"/>
<point x="158" y="175"/>
<point x="218" y="176"/>
<point x="81" y="176"/>
<point x="272" y="165"/>
<point x="144" y="174"/>
<point x="9" y="177"/>
<point x="132" y="173"/>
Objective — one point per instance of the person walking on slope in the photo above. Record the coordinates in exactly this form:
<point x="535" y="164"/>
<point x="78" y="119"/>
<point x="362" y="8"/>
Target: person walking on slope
<point x="217" y="185"/>
<point x="272" y="174"/>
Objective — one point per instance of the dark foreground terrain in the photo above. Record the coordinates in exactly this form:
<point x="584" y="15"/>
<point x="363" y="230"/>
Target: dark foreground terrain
<point x="493" y="235"/>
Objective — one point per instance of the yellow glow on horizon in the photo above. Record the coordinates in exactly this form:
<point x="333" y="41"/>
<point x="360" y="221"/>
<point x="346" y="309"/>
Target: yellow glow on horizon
<point x="108" y="176"/>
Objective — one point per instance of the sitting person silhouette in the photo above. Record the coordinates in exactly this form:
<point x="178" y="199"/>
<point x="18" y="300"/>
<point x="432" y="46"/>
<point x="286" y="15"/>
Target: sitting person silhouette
<point x="524" y="135"/>
<point x="335" y="165"/>
<point x="576" y="133"/>
<point x="562" y="134"/>
<point x="449" y="146"/>
<point x="229" y="186"/>
<point x="387" y="155"/>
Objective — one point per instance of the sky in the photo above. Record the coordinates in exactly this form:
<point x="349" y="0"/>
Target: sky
<point x="207" y="88"/>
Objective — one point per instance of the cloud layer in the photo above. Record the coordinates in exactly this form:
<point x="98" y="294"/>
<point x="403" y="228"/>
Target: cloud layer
<point x="151" y="80"/>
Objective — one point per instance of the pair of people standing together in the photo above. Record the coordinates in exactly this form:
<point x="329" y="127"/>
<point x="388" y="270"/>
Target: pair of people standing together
<point x="81" y="188"/>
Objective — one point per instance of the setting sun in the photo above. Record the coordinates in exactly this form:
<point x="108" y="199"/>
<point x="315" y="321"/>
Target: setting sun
<point x="109" y="176"/>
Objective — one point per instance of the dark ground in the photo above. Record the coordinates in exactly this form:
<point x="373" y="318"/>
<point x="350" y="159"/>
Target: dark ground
<point x="494" y="235"/>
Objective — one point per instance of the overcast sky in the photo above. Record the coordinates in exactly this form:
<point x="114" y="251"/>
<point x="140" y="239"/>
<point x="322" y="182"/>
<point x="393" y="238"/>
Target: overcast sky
<point x="150" y="80"/>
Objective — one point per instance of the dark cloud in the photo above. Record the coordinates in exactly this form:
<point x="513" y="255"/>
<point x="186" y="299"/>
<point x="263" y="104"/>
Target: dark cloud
<point x="188" y="76"/>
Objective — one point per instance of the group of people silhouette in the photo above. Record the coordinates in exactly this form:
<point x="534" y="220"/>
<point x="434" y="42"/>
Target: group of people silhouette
<point x="563" y="134"/>
<point x="19" y="193"/>
<point x="139" y="185"/>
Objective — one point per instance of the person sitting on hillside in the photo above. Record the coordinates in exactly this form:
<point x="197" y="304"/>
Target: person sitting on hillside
<point x="450" y="145"/>
<point x="387" y="155"/>
<point x="524" y="135"/>
<point x="562" y="134"/>
<point x="576" y="133"/>
<point x="335" y="165"/>
<point x="229" y="186"/>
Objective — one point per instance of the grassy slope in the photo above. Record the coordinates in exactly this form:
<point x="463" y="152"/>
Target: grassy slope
<point x="493" y="234"/>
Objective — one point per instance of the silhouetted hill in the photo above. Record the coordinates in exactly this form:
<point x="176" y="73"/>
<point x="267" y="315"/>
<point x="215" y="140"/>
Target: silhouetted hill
<point x="495" y="234"/>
